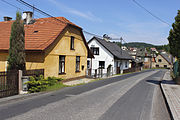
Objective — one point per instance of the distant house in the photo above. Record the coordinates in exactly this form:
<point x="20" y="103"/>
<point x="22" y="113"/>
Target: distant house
<point x="54" y="44"/>
<point x="144" y="58"/>
<point x="107" y="56"/>
<point x="154" y="50"/>
<point x="163" y="60"/>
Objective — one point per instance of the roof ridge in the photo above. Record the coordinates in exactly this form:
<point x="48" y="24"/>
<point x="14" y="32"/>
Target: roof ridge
<point x="114" y="49"/>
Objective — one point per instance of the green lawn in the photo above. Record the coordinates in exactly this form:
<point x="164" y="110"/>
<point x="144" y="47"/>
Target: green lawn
<point x="56" y="86"/>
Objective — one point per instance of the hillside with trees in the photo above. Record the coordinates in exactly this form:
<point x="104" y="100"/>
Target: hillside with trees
<point x="145" y="45"/>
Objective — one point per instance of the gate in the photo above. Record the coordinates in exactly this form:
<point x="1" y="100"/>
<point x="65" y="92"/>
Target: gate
<point x="9" y="83"/>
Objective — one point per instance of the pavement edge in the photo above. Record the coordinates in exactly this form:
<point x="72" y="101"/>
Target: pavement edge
<point x="165" y="97"/>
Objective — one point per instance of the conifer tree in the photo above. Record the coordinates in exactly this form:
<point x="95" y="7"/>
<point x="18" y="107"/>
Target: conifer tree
<point x="174" y="38"/>
<point x="16" y="59"/>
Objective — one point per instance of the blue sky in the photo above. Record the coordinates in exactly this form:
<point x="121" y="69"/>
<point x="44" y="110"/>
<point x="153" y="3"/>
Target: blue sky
<point x="117" y="18"/>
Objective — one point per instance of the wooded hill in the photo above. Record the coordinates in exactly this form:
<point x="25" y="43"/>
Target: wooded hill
<point x="145" y="45"/>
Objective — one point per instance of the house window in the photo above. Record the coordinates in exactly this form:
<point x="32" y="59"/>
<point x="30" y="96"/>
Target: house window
<point x="157" y="66"/>
<point x="159" y="60"/>
<point x="165" y="66"/>
<point x="88" y="64"/>
<point x="61" y="64"/>
<point x="95" y="50"/>
<point x="101" y="64"/>
<point x="77" y="63"/>
<point x="72" y="43"/>
<point x="126" y="64"/>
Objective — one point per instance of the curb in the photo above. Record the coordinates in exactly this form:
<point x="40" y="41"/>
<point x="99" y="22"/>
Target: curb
<point x="165" y="99"/>
<point x="6" y="100"/>
<point x="14" y="98"/>
<point x="166" y="102"/>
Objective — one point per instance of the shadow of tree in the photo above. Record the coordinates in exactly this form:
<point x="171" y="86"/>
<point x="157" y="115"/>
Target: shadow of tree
<point x="153" y="81"/>
<point x="171" y="82"/>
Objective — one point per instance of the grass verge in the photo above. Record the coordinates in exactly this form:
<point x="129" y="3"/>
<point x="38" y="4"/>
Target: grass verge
<point x="57" y="86"/>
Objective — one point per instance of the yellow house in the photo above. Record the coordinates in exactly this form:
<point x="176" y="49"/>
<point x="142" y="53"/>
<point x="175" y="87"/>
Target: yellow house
<point x="53" y="44"/>
<point x="163" y="60"/>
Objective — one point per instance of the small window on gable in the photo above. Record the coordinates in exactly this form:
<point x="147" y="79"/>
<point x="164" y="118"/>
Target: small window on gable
<point x="95" y="50"/>
<point x="72" y="43"/>
<point x="159" y="60"/>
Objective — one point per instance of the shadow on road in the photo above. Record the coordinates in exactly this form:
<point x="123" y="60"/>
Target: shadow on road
<point x="153" y="81"/>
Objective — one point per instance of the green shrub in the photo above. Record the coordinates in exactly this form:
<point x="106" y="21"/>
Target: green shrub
<point x="37" y="84"/>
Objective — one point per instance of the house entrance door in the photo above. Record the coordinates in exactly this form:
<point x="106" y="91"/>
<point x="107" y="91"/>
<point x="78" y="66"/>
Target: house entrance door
<point x="118" y="70"/>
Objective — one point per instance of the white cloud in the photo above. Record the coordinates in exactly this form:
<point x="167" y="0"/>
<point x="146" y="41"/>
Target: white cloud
<point x="87" y="15"/>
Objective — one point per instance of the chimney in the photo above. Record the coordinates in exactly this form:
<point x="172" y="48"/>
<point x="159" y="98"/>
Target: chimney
<point x="106" y="37"/>
<point x="6" y="18"/>
<point x="28" y="17"/>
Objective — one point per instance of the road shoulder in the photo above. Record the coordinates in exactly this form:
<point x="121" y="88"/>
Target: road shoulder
<point x="171" y="92"/>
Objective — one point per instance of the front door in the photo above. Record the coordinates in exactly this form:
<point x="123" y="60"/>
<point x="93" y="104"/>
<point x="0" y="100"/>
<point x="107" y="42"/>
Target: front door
<point x="118" y="67"/>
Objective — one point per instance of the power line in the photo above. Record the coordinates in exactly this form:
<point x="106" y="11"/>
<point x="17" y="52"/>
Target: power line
<point x="46" y="14"/>
<point x="16" y="6"/>
<point x="11" y="4"/>
<point x="158" y="18"/>
<point x="40" y="11"/>
<point x="91" y="34"/>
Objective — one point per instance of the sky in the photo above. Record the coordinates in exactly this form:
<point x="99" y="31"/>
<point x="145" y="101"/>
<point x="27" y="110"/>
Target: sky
<point x="116" y="18"/>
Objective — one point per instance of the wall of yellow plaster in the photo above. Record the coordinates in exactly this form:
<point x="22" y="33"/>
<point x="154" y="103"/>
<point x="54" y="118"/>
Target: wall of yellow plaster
<point x="63" y="48"/>
<point x="33" y="61"/>
<point x="49" y="61"/>
<point x="3" y="59"/>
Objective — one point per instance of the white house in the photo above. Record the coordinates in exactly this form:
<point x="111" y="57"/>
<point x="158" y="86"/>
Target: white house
<point x="108" y="56"/>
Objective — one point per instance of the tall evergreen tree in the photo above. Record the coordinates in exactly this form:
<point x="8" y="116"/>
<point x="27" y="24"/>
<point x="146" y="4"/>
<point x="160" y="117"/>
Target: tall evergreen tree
<point x="174" y="38"/>
<point x="16" y="59"/>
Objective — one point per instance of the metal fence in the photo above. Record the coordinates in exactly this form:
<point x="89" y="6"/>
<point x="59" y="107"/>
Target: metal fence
<point x="99" y="73"/>
<point x="9" y="83"/>
<point x="134" y="69"/>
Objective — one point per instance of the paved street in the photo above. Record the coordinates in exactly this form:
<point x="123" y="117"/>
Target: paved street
<point x="134" y="96"/>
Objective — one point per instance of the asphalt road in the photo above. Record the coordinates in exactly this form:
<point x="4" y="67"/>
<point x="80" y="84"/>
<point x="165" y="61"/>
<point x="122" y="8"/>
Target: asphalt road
<point x="134" y="96"/>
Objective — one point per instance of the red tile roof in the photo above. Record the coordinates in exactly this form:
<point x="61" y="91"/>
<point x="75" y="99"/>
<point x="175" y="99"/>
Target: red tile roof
<point x="38" y="36"/>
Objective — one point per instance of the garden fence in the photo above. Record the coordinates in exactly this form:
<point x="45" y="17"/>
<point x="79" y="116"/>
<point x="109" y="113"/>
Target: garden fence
<point x="9" y="83"/>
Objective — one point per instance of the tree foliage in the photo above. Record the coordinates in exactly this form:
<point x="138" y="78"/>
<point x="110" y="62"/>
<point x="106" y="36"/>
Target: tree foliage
<point x="16" y="59"/>
<point x="174" y="37"/>
<point x="146" y="45"/>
